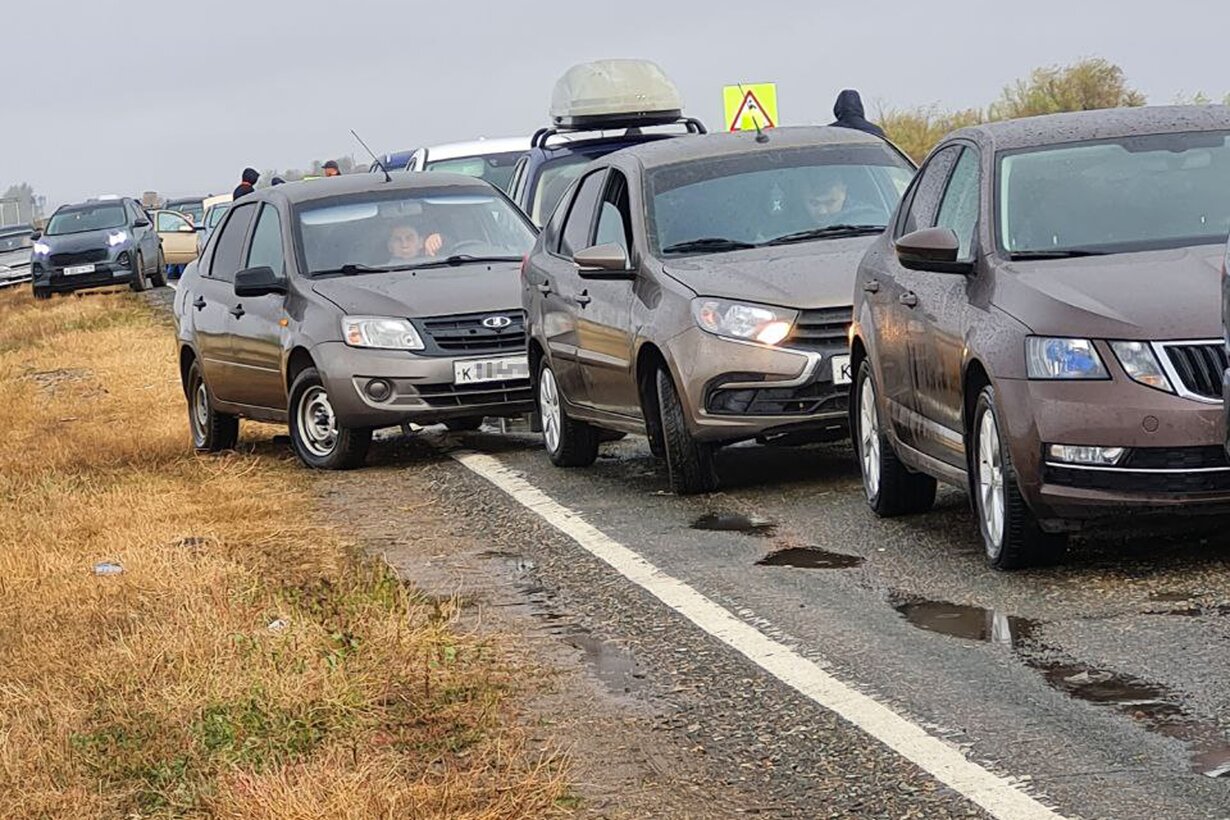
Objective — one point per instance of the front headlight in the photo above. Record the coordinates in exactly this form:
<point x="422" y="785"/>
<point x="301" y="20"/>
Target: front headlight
<point x="733" y="320"/>
<point x="1048" y="358"/>
<point x="1141" y="364"/>
<point x="381" y="332"/>
<point x="117" y="238"/>
<point x="41" y="249"/>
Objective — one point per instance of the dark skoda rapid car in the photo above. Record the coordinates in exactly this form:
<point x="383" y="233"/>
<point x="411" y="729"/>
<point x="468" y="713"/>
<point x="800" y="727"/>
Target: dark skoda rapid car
<point x="95" y="244"/>
<point x="1041" y="326"/>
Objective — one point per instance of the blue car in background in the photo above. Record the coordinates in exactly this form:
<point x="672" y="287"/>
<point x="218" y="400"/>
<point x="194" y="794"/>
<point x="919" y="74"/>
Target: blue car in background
<point x="396" y="161"/>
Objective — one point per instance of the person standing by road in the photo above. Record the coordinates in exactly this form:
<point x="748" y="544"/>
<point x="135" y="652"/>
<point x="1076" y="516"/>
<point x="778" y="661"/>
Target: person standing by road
<point x="849" y="113"/>
<point x="248" y="184"/>
<point x="331" y="169"/>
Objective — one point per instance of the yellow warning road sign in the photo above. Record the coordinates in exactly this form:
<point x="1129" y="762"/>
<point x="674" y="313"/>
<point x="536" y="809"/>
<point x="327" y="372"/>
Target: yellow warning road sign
<point x="750" y="105"/>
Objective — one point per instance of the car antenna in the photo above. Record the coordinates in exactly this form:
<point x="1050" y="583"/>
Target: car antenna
<point x="387" y="178"/>
<point x="761" y="136"/>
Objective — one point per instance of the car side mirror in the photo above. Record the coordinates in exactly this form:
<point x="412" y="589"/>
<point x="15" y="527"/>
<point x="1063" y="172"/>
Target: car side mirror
<point x="608" y="261"/>
<point x="260" y="281"/>
<point x="37" y="235"/>
<point x="141" y="223"/>
<point x="932" y="249"/>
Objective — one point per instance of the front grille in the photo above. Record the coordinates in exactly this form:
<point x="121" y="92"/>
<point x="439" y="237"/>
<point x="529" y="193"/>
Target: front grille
<point x="1176" y="458"/>
<point x="1124" y="482"/>
<point x="467" y="334"/>
<point x="822" y="329"/>
<point x="443" y="396"/>
<point x="1199" y="366"/>
<point x="64" y="260"/>
<point x="810" y="399"/>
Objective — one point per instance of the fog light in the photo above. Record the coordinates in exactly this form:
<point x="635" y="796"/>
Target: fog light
<point x="123" y="260"/>
<point x="1075" y="454"/>
<point x="378" y="389"/>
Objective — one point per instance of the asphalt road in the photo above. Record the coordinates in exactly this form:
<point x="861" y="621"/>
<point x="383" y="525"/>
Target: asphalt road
<point x="1099" y="684"/>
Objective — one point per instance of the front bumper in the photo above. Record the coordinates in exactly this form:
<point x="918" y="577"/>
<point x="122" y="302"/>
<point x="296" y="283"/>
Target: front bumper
<point x="738" y="390"/>
<point x="46" y="277"/>
<point x="1175" y="461"/>
<point x="421" y="388"/>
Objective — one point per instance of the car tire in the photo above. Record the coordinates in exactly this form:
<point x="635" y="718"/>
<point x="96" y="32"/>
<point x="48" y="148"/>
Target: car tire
<point x="1011" y="536"/>
<point x="689" y="463"/>
<point x="464" y="425"/>
<point x="890" y="487"/>
<point x="138" y="283"/>
<point x="159" y="279"/>
<point x="569" y="443"/>
<point x="42" y="293"/>
<point x="212" y="431"/>
<point x="317" y="438"/>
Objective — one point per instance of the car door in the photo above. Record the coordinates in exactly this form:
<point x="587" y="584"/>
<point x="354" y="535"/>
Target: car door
<point x="942" y="314"/>
<point x="604" y="332"/>
<point x="177" y="236"/>
<point x="892" y="295"/>
<point x="215" y="301"/>
<point x="256" y="322"/>
<point x="562" y="290"/>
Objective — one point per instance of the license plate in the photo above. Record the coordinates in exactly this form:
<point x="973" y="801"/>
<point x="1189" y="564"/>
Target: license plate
<point x="77" y="270"/>
<point x="491" y="370"/>
<point x="841" y="370"/>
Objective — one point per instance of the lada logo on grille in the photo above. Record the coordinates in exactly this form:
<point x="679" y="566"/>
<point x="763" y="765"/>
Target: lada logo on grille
<point x="497" y="322"/>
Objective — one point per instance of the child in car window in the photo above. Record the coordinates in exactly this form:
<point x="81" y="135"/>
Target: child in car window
<point x="406" y="244"/>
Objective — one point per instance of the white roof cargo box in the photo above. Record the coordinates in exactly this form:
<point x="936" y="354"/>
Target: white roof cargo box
<point x="614" y="93"/>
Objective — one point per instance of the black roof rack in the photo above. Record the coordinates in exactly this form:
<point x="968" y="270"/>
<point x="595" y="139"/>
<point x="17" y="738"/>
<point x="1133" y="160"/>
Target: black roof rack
<point x="609" y="123"/>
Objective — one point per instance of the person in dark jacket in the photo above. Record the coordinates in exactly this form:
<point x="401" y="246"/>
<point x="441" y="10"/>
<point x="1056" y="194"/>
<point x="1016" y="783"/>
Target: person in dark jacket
<point x="248" y="185"/>
<point x="849" y="113"/>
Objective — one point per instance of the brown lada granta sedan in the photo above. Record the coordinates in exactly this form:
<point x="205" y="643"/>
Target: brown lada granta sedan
<point x="350" y="304"/>
<point x="1041" y="325"/>
<point x="698" y="290"/>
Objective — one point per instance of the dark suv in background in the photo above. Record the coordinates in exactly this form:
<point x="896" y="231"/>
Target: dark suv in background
<point x="95" y="244"/>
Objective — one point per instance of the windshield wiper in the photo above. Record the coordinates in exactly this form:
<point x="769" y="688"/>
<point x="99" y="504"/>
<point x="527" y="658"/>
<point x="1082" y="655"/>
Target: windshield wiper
<point x="709" y="243"/>
<point x="1067" y="253"/>
<point x="462" y="259"/>
<point x="827" y="232"/>
<point x="348" y="270"/>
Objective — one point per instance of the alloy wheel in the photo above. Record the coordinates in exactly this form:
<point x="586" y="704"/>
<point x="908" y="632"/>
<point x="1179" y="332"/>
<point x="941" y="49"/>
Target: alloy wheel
<point x="548" y="404"/>
<point x="317" y="422"/>
<point x="991" y="479"/>
<point x="869" y="439"/>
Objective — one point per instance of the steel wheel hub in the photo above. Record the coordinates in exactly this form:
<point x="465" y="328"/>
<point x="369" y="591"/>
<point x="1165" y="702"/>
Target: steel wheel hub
<point x="317" y="423"/>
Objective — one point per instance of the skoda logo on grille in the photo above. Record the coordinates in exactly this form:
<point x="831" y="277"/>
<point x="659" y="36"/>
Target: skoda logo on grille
<point x="497" y="322"/>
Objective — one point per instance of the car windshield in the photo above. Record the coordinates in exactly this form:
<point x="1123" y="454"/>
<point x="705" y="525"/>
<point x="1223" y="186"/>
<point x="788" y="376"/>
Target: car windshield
<point x="375" y="232"/>
<point x="768" y="196"/>
<point x="1116" y="196"/>
<point x="193" y="210"/>
<point x="15" y="241"/>
<point x="494" y="168"/>
<point x="82" y="218"/>
<point x="553" y="181"/>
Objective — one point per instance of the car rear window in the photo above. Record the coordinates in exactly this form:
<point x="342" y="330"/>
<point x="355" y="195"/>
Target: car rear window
<point x="494" y="168"/>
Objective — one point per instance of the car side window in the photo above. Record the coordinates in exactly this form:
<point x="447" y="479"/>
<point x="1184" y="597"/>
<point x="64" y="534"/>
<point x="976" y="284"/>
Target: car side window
<point x="578" y="226"/>
<point x="928" y="188"/>
<point x="170" y="222"/>
<point x="134" y="213"/>
<point x="229" y="243"/>
<point x="266" y="247"/>
<point x="959" y="210"/>
<point x="614" y="219"/>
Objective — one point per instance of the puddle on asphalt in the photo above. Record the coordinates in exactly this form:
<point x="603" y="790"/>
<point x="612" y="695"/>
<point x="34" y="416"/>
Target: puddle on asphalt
<point x="810" y="558"/>
<point x="734" y="522"/>
<point x="615" y="667"/>
<point x="1152" y="705"/>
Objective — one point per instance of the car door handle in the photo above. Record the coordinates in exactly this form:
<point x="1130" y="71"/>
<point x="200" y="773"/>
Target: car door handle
<point x="199" y="303"/>
<point x="908" y="299"/>
<point x="583" y="299"/>
<point x="872" y="286"/>
<point x="544" y="288"/>
<point x="237" y="311"/>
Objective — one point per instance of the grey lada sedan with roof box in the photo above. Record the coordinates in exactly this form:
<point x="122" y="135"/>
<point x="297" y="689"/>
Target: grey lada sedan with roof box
<point x="342" y="307"/>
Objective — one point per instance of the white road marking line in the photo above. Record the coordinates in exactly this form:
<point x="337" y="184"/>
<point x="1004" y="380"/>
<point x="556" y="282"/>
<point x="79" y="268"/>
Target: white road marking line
<point x="997" y="795"/>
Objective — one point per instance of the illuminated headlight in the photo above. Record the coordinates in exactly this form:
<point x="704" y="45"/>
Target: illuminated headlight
<point x="1141" y="364"/>
<point x="1048" y="358"/>
<point x="381" y="332"/>
<point x="1093" y="456"/>
<point x="41" y="249"/>
<point x="117" y="238"/>
<point x="753" y="323"/>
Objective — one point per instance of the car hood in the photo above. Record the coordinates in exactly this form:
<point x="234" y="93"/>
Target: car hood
<point x="19" y="258"/>
<point x="1153" y="295"/>
<point x="434" y="292"/>
<point x="72" y="242"/>
<point x="807" y="275"/>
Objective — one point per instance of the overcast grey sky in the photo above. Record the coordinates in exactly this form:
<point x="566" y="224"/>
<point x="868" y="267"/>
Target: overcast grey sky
<point x="109" y="96"/>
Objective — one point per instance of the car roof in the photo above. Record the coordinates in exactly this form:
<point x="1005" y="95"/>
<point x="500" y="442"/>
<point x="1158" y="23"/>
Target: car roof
<point x="1082" y="126"/>
<point x="295" y="193"/>
<point x="474" y="148"/>
<point x="700" y="146"/>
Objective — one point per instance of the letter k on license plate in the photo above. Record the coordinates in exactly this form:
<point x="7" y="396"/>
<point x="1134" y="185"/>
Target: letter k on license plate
<point x="478" y="371"/>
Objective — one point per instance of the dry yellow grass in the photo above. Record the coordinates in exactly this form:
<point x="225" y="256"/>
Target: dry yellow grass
<point x="163" y="691"/>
